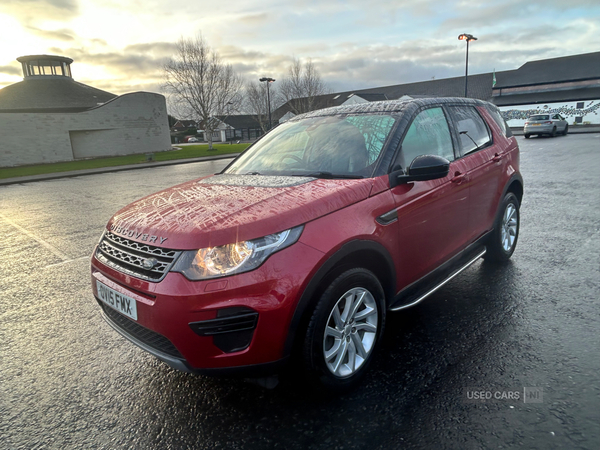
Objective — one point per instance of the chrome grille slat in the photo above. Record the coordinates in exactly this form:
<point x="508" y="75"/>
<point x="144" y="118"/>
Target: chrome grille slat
<point x="143" y="248"/>
<point x="127" y="256"/>
<point x="130" y="258"/>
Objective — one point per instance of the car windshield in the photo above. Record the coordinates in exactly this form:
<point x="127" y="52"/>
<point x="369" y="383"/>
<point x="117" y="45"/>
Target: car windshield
<point x="330" y="147"/>
<point x="540" y="117"/>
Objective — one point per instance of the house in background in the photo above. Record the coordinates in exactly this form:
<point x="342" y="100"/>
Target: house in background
<point x="49" y="117"/>
<point x="243" y="127"/>
<point x="182" y="125"/>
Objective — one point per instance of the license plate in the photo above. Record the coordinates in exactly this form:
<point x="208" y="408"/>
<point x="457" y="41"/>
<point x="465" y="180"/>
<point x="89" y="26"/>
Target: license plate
<point x="116" y="300"/>
<point x="536" y="124"/>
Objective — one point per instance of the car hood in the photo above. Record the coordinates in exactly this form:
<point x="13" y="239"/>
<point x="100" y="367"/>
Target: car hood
<point x="222" y="209"/>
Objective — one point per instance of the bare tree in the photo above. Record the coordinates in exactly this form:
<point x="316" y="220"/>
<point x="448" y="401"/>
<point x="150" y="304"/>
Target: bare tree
<point x="200" y="85"/>
<point x="256" y="102"/>
<point x="301" y="87"/>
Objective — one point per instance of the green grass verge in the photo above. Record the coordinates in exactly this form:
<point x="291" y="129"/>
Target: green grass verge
<point x="189" y="151"/>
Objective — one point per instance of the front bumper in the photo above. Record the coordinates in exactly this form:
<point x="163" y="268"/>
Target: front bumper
<point x="238" y="322"/>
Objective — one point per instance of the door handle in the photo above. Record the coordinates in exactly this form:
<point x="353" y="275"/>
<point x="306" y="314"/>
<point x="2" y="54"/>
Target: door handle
<point x="458" y="177"/>
<point x="497" y="157"/>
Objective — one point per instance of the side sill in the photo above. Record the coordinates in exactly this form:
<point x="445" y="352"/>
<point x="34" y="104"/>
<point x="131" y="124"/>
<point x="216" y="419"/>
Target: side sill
<point x="423" y="288"/>
<point x="422" y="297"/>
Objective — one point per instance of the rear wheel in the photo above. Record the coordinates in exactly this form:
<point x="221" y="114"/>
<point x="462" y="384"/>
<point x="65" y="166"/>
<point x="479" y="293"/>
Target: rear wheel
<point x="553" y="134"/>
<point x="344" y="330"/>
<point x="504" y="238"/>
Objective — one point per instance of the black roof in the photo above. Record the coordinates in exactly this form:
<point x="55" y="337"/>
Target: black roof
<point x="240" y="121"/>
<point x="372" y="97"/>
<point x="51" y="94"/>
<point x="546" y="71"/>
<point x="479" y="87"/>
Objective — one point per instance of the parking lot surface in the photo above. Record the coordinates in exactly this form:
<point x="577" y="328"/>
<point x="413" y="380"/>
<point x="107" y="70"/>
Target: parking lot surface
<point x="500" y="357"/>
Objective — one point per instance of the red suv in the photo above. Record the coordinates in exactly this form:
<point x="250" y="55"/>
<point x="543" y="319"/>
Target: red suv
<point x="303" y="244"/>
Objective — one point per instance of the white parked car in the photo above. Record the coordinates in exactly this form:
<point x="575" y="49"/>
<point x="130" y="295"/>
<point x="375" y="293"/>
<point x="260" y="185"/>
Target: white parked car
<point x="550" y="124"/>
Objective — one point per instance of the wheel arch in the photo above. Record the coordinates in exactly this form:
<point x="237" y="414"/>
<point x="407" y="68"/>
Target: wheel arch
<point x="367" y="254"/>
<point x="515" y="185"/>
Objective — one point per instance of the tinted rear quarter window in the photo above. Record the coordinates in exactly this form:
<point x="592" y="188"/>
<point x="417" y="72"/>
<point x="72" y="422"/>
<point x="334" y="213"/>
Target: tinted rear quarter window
<point x="472" y="129"/>
<point x="497" y="116"/>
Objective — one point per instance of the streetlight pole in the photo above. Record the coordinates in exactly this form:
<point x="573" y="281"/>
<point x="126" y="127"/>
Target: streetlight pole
<point x="468" y="38"/>
<point x="269" y="81"/>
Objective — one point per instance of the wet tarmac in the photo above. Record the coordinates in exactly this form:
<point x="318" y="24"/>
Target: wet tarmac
<point x="527" y="334"/>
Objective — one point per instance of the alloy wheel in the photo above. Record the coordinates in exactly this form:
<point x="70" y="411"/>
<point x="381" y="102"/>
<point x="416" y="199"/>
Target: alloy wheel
<point x="350" y="332"/>
<point x="510" y="223"/>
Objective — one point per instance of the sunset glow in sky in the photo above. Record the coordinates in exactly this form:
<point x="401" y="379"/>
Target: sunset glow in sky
<point x="120" y="46"/>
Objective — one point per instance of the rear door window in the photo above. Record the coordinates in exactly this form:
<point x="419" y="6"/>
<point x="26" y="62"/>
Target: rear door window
<point x="473" y="133"/>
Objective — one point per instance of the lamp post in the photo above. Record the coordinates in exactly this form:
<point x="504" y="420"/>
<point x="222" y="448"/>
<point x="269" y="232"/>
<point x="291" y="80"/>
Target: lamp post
<point x="468" y="38"/>
<point x="269" y="81"/>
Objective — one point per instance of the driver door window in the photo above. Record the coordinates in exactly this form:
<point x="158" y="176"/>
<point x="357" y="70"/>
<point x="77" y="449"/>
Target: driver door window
<point x="429" y="134"/>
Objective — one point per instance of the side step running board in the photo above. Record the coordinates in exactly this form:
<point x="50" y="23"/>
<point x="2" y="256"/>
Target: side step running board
<point x="439" y="285"/>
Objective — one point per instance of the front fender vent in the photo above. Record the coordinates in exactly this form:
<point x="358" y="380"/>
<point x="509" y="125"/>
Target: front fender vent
<point x="232" y="330"/>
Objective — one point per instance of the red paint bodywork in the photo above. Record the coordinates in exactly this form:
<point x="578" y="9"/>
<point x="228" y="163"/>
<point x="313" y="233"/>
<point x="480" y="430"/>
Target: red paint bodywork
<point x="436" y="220"/>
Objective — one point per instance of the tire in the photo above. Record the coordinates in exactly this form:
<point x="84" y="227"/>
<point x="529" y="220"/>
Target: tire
<point x="355" y="334"/>
<point x="553" y="134"/>
<point x="504" y="238"/>
<point x="564" y="133"/>
<point x="527" y="136"/>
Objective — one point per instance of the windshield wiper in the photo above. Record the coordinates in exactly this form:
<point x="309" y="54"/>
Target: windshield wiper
<point x="329" y="175"/>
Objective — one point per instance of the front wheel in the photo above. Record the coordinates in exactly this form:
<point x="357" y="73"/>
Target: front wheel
<point x="566" y="130"/>
<point x="344" y="330"/>
<point x="503" y="239"/>
<point x="527" y="136"/>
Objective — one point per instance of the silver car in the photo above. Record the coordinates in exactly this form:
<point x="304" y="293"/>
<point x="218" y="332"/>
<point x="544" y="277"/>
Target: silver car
<point x="546" y="124"/>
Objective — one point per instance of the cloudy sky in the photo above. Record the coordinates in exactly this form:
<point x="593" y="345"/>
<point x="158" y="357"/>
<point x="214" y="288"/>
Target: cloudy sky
<point x="120" y="46"/>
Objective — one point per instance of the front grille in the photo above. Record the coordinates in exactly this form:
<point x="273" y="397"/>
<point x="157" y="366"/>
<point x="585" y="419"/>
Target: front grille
<point x="150" y="338"/>
<point x="128" y="256"/>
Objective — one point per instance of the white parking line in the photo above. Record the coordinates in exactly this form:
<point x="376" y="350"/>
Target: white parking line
<point x="67" y="261"/>
<point x="48" y="246"/>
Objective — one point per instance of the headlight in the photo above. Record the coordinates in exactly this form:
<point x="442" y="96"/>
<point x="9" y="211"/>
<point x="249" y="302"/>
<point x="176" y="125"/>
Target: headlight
<point x="214" y="262"/>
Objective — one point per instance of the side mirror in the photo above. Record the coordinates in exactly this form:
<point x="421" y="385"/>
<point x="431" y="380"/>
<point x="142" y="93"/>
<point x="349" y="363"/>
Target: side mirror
<point x="423" y="168"/>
